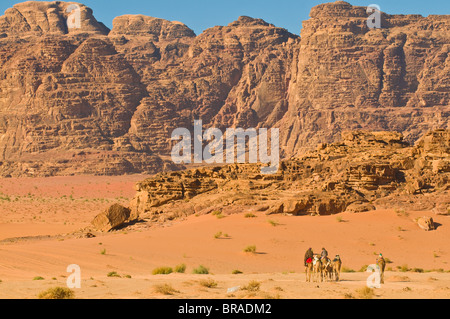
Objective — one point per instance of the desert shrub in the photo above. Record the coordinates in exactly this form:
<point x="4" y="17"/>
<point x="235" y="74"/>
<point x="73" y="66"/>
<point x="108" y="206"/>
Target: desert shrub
<point x="346" y="269"/>
<point x="269" y="296"/>
<point x="250" y="249"/>
<point x="401" y="212"/>
<point x="273" y="223"/>
<point x="218" y="214"/>
<point x="218" y="235"/>
<point x="236" y="272"/>
<point x="252" y="286"/>
<point x="113" y="274"/>
<point x="165" y="289"/>
<point x="363" y="268"/>
<point x="201" y="270"/>
<point x="208" y="283"/>
<point x="38" y="278"/>
<point x="249" y="215"/>
<point x="57" y="293"/>
<point x="162" y="271"/>
<point x="365" y="293"/>
<point x="180" y="268"/>
<point x="404" y="268"/>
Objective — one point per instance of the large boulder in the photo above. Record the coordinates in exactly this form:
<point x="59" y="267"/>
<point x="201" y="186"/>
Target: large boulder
<point x="426" y="223"/>
<point x="113" y="217"/>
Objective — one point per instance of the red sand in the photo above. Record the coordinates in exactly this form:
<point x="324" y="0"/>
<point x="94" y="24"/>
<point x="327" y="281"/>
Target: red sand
<point x="357" y="238"/>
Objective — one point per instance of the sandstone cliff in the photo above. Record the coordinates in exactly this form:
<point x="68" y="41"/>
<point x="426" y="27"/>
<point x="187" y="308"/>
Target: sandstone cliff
<point x="90" y="100"/>
<point x="364" y="171"/>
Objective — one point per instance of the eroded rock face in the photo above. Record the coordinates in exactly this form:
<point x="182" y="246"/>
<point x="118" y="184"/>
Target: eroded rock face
<point x="36" y="18"/>
<point x="365" y="170"/>
<point x="156" y="29"/>
<point x="347" y="76"/>
<point x="90" y="100"/>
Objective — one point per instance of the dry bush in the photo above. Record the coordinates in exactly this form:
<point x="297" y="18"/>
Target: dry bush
<point x="208" y="283"/>
<point x="201" y="270"/>
<point x="180" y="268"/>
<point x="162" y="271"/>
<point x="165" y="289"/>
<point x="57" y="293"/>
<point x="252" y="286"/>
<point x="250" y="249"/>
<point x="366" y="293"/>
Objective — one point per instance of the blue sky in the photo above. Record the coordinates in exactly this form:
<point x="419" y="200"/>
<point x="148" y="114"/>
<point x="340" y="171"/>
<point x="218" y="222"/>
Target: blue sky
<point x="202" y="14"/>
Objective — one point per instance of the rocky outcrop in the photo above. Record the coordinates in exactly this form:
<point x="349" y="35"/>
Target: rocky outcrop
<point x="426" y="223"/>
<point x="363" y="171"/>
<point x="347" y="76"/>
<point x="33" y="18"/>
<point x="154" y="28"/>
<point x="88" y="100"/>
<point x="113" y="217"/>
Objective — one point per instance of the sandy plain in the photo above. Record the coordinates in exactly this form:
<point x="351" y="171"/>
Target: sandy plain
<point x="38" y="216"/>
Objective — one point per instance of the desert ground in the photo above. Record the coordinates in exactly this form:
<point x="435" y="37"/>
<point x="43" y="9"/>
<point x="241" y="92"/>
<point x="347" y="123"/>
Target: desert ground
<point x="40" y="217"/>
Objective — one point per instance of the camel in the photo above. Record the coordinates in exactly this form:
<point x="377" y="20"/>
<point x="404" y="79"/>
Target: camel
<point x="318" y="270"/>
<point x="327" y="269"/>
<point x="337" y="264"/>
<point x="308" y="271"/>
<point x="382" y="264"/>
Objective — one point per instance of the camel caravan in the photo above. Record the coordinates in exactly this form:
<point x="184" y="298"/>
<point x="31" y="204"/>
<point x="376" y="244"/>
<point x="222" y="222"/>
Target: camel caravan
<point x="321" y="268"/>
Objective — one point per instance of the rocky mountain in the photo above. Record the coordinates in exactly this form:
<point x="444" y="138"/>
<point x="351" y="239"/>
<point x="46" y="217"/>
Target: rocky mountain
<point x="366" y="170"/>
<point x="89" y="100"/>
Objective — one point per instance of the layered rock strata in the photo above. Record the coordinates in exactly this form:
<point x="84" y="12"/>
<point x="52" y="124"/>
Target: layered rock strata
<point x="88" y="100"/>
<point x="356" y="175"/>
